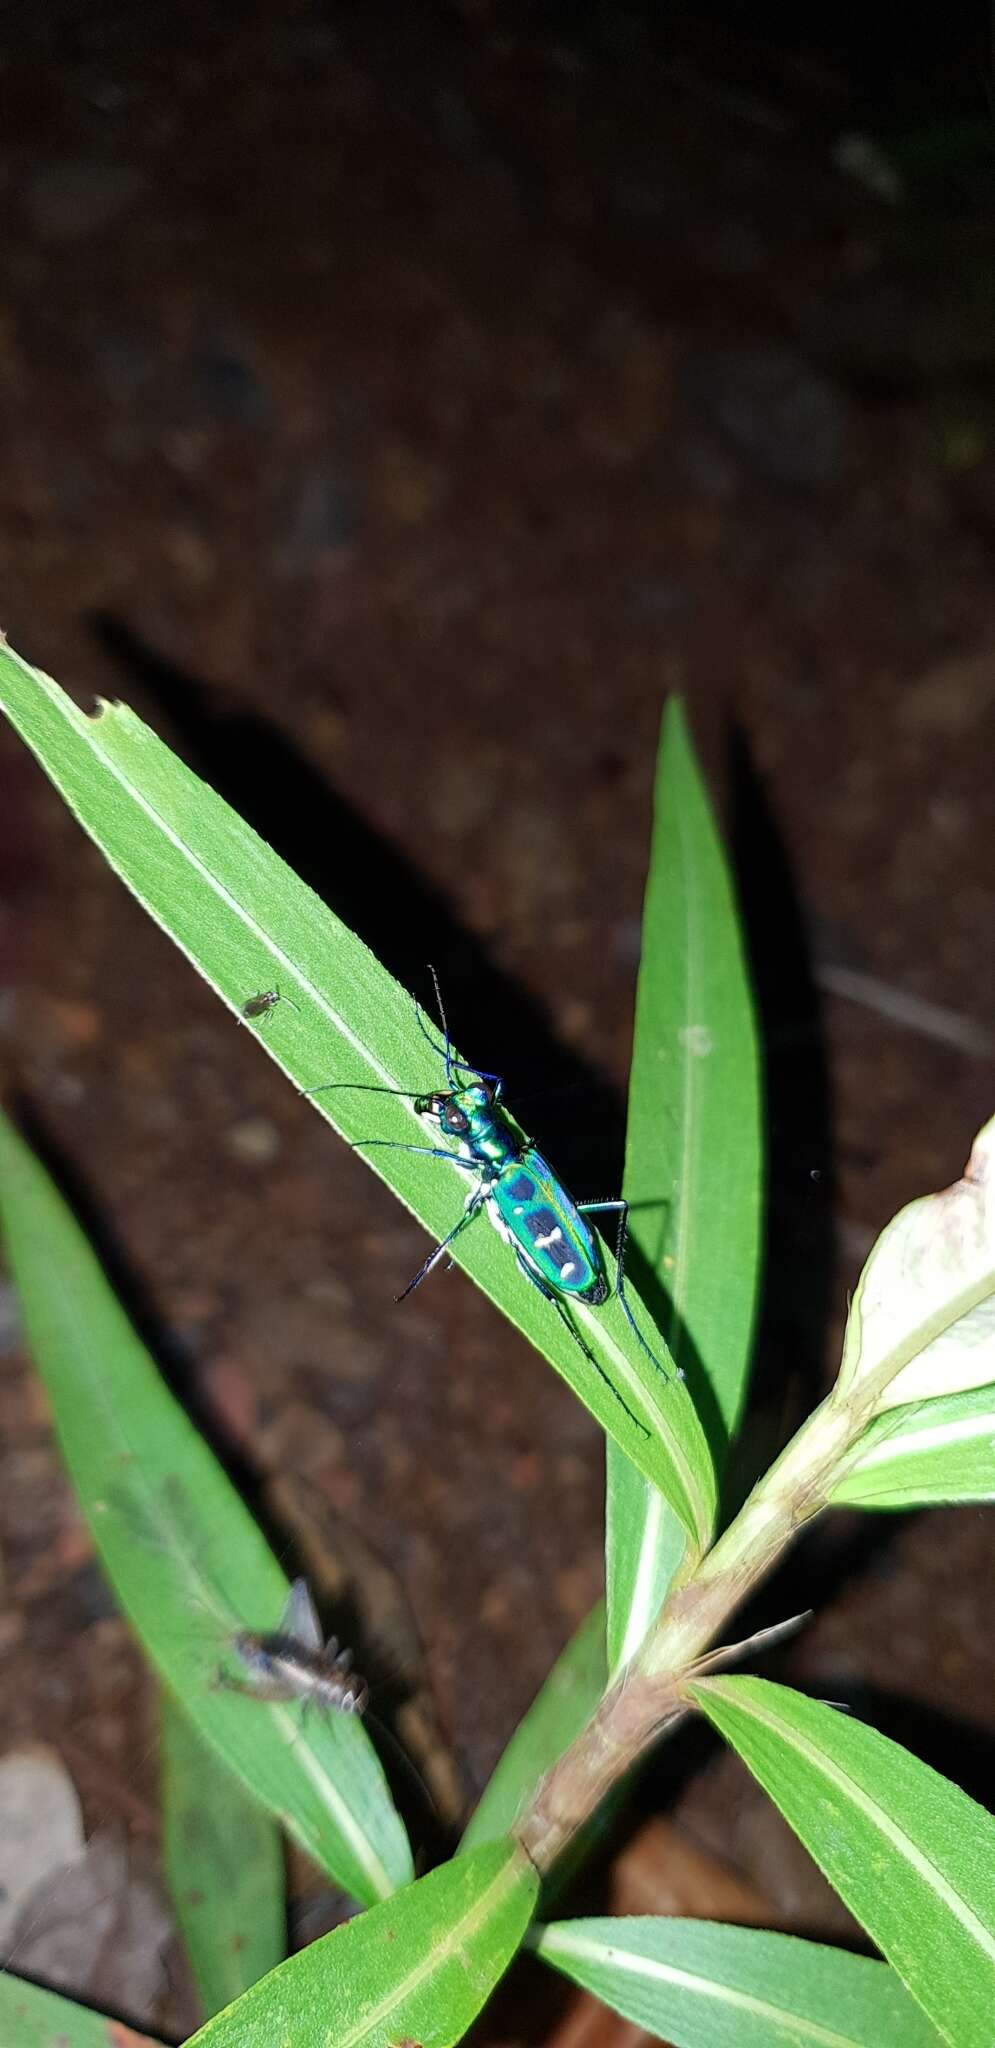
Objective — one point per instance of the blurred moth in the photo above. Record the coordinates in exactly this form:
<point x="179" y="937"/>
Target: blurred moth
<point x="294" y="1662"/>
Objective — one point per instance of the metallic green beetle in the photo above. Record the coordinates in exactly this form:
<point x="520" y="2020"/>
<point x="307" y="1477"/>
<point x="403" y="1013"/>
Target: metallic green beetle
<point x="555" y="1248"/>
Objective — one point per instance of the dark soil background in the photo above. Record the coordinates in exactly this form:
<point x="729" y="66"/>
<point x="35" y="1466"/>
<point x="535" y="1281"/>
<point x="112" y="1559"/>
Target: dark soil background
<point x="397" y="403"/>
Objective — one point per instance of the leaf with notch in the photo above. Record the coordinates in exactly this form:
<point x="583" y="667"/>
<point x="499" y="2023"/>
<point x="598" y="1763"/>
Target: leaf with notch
<point x="247" y="922"/>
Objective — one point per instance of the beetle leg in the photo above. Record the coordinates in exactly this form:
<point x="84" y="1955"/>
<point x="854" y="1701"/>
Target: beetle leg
<point x="475" y="1202"/>
<point x="548" y="1295"/>
<point x="620" y="1208"/>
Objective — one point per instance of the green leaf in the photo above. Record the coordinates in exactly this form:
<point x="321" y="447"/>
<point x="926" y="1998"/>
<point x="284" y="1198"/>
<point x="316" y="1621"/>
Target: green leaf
<point x="701" y="1985"/>
<point x="224" y="1866"/>
<point x="416" y="1969"/>
<point x="33" y="2018"/>
<point x="694" y="1145"/>
<point x="180" y="1548"/>
<point x="912" y="1855"/>
<point x="694" y="1158"/>
<point x="559" y="1711"/>
<point x="924" y="1456"/>
<point x="923" y="1316"/>
<point x="248" y="923"/>
<point x="644" y="1546"/>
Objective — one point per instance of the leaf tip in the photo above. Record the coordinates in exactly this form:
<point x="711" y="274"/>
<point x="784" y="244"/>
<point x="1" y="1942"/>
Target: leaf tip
<point x="675" y="718"/>
<point x="979" y="1166"/>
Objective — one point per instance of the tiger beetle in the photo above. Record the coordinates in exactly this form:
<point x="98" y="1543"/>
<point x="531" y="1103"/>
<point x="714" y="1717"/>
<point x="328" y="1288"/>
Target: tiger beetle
<point x="555" y="1248"/>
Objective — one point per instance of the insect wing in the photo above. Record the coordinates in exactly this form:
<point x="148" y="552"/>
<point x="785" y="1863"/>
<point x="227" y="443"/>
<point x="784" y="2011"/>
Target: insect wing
<point x="543" y="1219"/>
<point x="299" y="1620"/>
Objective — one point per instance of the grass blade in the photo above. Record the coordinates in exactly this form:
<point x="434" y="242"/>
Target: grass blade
<point x="416" y="1969"/>
<point x="697" y="1984"/>
<point x="925" y="1456"/>
<point x="694" y="1158"/>
<point x="33" y="2018"/>
<point x="559" y="1711"/>
<point x="912" y="1855"/>
<point x="180" y="1548"/>
<point x="224" y="1866"/>
<point x="248" y="923"/>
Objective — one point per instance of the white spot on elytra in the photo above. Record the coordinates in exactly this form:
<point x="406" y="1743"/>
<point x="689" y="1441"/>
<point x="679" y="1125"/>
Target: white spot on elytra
<point x="498" y="1221"/>
<point x="696" y="1039"/>
<point x="567" y="1272"/>
<point x="553" y="1237"/>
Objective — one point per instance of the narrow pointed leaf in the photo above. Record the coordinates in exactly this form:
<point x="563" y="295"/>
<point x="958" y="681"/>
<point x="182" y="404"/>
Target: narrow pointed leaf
<point x="33" y="2018"/>
<point x="559" y="1711"/>
<point x="184" y="1556"/>
<point x="925" y="1456"/>
<point x="912" y="1856"/>
<point x="923" y="1316"/>
<point x="248" y="923"/>
<point x="694" y="1142"/>
<point x="224" y="1865"/>
<point x="416" y="1969"/>
<point x="698" y="1984"/>
<point x="694" y="1156"/>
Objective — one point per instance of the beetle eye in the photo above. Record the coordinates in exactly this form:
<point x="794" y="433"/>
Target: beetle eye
<point x="454" y="1119"/>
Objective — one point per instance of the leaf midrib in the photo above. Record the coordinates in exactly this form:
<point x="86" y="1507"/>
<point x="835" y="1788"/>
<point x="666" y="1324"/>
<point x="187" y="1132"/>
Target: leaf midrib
<point x="457" y="1932"/>
<point x="652" y="1969"/>
<point x="839" y="1778"/>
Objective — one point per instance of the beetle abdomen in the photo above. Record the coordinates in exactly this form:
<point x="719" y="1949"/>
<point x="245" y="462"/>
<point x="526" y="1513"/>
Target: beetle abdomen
<point x="538" y="1214"/>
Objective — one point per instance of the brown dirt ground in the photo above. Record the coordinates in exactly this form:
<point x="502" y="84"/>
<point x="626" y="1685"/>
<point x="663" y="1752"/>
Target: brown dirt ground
<point x="396" y="404"/>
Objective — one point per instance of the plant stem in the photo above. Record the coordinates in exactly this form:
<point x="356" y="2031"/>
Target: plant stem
<point x="647" y="1699"/>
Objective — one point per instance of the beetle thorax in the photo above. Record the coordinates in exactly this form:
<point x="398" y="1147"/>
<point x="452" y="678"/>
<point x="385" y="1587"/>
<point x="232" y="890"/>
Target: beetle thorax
<point x="471" y="1120"/>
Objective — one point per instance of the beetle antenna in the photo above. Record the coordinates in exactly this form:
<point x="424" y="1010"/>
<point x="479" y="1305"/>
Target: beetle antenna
<point x="365" y="1088"/>
<point x="448" y="1052"/>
